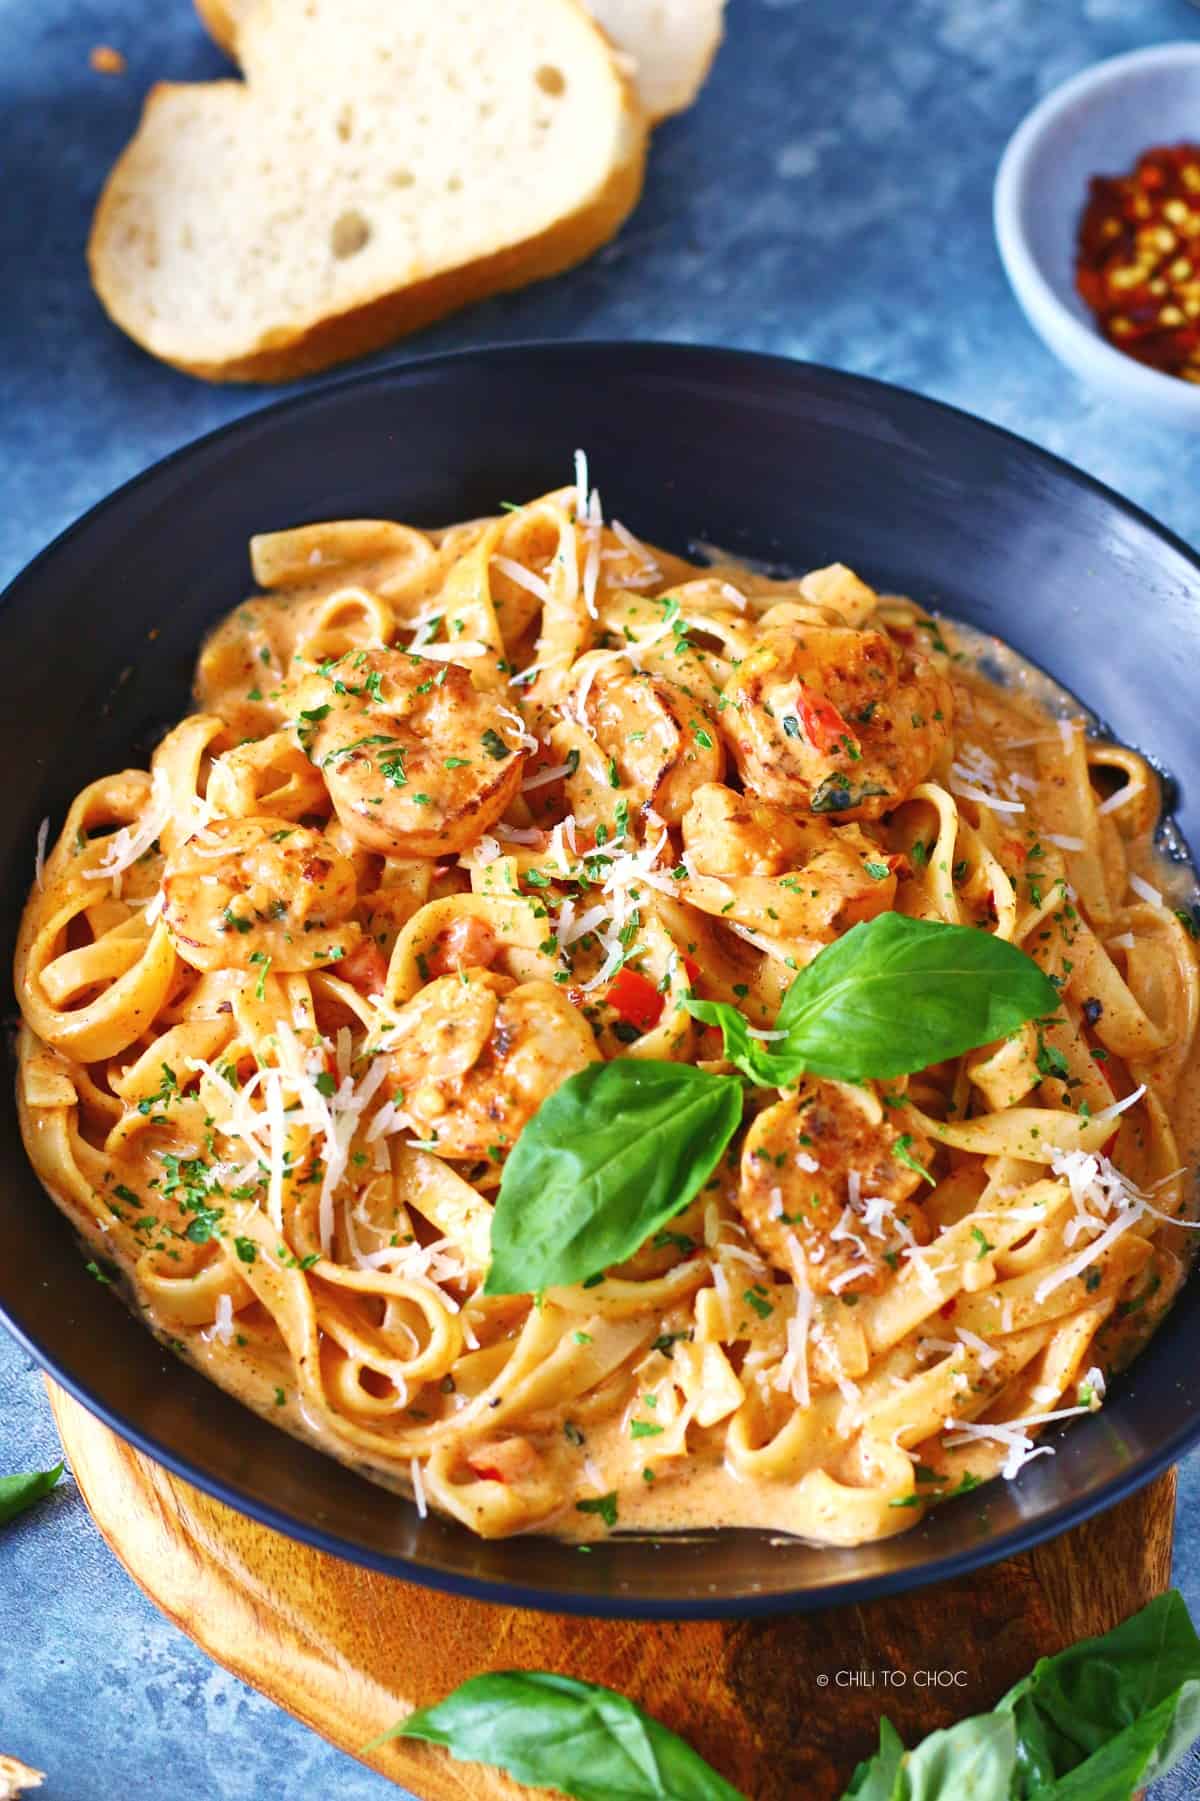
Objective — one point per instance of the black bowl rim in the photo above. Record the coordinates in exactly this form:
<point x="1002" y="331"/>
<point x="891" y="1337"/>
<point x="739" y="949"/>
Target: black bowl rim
<point x="1070" y="1513"/>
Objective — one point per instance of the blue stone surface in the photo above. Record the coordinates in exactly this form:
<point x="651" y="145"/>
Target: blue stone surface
<point x="828" y="198"/>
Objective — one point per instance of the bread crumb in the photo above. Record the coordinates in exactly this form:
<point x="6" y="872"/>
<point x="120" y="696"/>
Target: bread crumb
<point x="107" y="61"/>
<point x="16" y="1777"/>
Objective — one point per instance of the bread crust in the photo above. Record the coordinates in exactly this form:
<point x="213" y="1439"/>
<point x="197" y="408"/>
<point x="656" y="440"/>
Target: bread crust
<point x="288" y="352"/>
<point x="219" y="21"/>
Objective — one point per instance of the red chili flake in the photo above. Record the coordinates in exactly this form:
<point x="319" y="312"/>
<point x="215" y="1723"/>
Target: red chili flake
<point x="1138" y="259"/>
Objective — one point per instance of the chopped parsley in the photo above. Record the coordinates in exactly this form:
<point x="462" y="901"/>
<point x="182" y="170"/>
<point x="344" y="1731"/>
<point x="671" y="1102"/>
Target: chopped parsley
<point x="604" y="1505"/>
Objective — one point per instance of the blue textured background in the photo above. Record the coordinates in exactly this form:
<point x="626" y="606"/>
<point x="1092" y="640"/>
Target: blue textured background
<point x="829" y="198"/>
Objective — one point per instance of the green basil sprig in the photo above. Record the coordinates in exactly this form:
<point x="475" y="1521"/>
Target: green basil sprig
<point x="1095" y="1723"/>
<point x="606" y="1160"/>
<point x="614" y="1153"/>
<point x="555" y="1732"/>
<point x="892" y="996"/>
<point x="19" y="1492"/>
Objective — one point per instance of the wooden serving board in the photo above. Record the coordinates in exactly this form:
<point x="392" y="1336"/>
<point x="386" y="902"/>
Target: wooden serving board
<point x="350" y="1652"/>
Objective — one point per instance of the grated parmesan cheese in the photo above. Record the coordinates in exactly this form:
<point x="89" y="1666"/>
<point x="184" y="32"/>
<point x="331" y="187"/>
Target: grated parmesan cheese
<point x="792" y="1375"/>
<point x="1131" y="1100"/>
<point x="1146" y="891"/>
<point x="223" y="1323"/>
<point x="524" y="578"/>
<point x="1020" y="1447"/>
<point x="992" y="802"/>
<point x="133" y="841"/>
<point x="1094" y="1380"/>
<point x="986" y="1353"/>
<point x="544" y="777"/>
<point x="649" y="569"/>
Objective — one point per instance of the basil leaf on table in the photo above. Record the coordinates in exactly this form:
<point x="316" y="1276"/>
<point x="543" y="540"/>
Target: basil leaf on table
<point x="976" y="1758"/>
<point x="892" y="996"/>
<point x="877" y="1778"/>
<point x="606" y="1160"/>
<point x="19" y="1492"/>
<point x="1094" y="1723"/>
<point x="1113" y="1713"/>
<point x="555" y="1732"/>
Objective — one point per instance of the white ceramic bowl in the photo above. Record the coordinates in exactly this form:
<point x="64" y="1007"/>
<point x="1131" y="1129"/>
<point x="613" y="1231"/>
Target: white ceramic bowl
<point x="1098" y="123"/>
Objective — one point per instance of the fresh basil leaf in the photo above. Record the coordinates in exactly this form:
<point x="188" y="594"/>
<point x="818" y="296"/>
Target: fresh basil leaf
<point x="19" y="1492"/>
<point x="877" y="1778"/>
<point x="1095" y="1723"/>
<point x="606" y="1160"/>
<point x="555" y="1732"/>
<point x="769" y="1062"/>
<point x="897" y="994"/>
<point x="974" y="1759"/>
<point x="892" y="996"/>
<point x="1110" y="1713"/>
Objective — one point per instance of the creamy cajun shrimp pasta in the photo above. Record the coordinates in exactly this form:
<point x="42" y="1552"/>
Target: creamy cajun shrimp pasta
<point x="598" y="1042"/>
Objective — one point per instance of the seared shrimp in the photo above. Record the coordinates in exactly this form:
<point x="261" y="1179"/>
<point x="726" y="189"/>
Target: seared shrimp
<point x="478" y="1054"/>
<point x="418" y="763"/>
<point x="795" y="877"/>
<point x="836" y="720"/>
<point x="732" y="834"/>
<point x="246" y="890"/>
<point x="822" y="1169"/>
<point x="662" y="742"/>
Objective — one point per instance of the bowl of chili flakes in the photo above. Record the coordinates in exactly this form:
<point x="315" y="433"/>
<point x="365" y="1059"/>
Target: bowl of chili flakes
<point x="1097" y="218"/>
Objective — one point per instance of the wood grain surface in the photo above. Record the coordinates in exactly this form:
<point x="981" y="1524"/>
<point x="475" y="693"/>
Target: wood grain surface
<point x="349" y="1652"/>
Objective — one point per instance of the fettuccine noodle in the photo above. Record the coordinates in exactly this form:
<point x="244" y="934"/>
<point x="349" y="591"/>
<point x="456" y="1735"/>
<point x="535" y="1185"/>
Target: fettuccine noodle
<point x="463" y="811"/>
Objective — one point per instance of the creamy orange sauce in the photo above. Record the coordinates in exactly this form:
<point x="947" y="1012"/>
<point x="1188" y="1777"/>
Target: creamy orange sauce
<point x="291" y="998"/>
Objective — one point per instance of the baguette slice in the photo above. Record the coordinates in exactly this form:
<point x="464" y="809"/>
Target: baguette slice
<point x="379" y="166"/>
<point x="222" y="19"/>
<point x="16" y="1778"/>
<point x="672" y="42"/>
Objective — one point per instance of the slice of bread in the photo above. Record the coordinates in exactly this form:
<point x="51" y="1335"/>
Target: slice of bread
<point x="222" y="20"/>
<point x="672" y="42"/>
<point x="16" y="1778"/>
<point x="379" y="166"/>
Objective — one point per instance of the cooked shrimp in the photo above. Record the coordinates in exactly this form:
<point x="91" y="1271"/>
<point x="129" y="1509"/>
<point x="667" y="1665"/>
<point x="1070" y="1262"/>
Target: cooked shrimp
<point x="793" y="877"/>
<point x="822" y="1167"/>
<point x="465" y="943"/>
<point x="661" y="743"/>
<point x="732" y="834"/>
<point x="247" y="890"/>
<point x="418" y="763"/>
<point x="836" y="720"/>
<point x="478" y="1054"/>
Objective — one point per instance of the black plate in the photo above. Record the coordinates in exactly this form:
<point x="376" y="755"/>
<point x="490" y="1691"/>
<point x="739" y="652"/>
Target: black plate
<point x="777" y="460"/>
